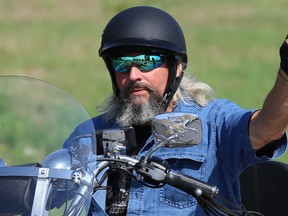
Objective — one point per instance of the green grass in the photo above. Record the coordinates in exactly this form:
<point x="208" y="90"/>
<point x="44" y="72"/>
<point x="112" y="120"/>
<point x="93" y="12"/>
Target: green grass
<point x="233" y="45"/>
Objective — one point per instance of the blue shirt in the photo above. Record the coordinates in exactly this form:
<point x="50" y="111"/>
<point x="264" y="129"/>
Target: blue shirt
<point x="224" y="152"/>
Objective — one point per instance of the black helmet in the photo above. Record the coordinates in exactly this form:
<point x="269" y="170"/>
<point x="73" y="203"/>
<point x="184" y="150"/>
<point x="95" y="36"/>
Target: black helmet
<point x="145" y="28"/>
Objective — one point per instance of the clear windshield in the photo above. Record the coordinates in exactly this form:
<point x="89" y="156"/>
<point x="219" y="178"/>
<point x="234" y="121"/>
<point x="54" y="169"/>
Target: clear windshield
<point x="35" y="172"/>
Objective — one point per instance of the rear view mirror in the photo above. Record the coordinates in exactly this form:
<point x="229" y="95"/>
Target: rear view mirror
<point x="177" y="129"/>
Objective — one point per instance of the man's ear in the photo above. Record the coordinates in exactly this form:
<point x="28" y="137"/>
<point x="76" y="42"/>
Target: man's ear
<point x="179" y="69"/>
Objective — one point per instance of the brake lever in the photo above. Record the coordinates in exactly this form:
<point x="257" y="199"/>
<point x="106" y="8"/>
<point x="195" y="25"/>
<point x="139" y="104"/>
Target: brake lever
<point x="156" y="172"/>
<point x="152" y="172"/>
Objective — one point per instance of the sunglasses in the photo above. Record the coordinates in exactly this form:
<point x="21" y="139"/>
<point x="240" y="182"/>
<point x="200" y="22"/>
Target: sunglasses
<point x="144" y="63"/>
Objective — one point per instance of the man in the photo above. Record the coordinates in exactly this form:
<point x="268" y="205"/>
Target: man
<point x="145" y="52"/>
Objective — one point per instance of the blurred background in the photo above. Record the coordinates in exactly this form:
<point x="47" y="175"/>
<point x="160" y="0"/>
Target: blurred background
<point x="232" y="45"/>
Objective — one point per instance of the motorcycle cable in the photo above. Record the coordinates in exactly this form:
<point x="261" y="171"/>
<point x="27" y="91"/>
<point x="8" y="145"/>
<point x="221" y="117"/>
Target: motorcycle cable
<point x="97" y="184"/>
<point x="212" y="205"/>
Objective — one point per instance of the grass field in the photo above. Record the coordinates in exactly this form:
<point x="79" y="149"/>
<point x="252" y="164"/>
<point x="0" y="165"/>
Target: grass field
<point x="233" y="45"/>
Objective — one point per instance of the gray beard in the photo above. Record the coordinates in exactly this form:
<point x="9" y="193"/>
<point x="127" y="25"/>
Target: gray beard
<point x="127" y="113"/>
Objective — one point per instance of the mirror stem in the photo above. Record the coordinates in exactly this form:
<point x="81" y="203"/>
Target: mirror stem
<point x="159" y="145"/>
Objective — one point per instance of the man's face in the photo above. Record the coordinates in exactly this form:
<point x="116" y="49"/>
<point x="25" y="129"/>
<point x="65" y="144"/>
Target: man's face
<point x="141" y="81"/>
<point x="138" y="86"/>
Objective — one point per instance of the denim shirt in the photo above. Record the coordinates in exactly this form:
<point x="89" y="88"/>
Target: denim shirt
<point x="224" y="152"/>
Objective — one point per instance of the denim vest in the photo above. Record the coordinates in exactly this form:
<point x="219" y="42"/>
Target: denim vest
<point x="224" y="152"/>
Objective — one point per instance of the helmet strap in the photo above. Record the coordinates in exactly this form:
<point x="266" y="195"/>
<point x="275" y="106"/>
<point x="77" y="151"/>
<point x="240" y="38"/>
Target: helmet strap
<point x="112" y="76"/>
<point x="173" y="81"/>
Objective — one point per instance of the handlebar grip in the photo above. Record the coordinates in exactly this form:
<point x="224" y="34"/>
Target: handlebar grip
<point x="189" y="184"/>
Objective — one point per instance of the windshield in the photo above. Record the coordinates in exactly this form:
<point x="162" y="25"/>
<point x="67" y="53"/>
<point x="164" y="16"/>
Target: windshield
<point x="35" y="120"/>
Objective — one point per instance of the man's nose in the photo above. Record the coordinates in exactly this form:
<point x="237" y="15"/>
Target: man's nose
<point x="135" y="73"/>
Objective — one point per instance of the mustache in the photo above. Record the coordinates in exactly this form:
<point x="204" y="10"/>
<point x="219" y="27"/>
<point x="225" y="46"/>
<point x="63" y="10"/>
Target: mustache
<point x="138" y="85"/>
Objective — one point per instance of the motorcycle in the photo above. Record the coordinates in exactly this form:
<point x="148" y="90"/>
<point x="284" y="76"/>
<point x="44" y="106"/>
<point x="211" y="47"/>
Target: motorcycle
<point x="36" y="118"/>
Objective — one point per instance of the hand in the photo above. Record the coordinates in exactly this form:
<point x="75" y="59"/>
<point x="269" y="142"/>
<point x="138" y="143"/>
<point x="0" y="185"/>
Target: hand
<point x="284" y="56"/>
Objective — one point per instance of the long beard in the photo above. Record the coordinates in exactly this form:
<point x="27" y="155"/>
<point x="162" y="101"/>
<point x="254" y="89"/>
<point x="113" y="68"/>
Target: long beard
<point x="127" y="111"/>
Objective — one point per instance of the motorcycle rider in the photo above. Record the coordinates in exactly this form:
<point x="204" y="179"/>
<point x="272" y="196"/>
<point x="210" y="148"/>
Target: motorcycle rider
<point x="145" y="53"/>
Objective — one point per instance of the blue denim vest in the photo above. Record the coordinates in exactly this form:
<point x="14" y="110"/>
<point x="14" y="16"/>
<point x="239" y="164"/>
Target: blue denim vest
<point x="224" y="152"/>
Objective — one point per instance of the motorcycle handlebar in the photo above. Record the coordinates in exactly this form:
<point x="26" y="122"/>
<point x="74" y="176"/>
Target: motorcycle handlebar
<point x="189" y="184"/>
<point x="157" y="170"/>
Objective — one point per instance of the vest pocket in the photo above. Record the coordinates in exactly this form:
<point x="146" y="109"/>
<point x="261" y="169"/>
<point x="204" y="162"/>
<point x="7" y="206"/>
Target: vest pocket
<point x="174" y="197"/>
